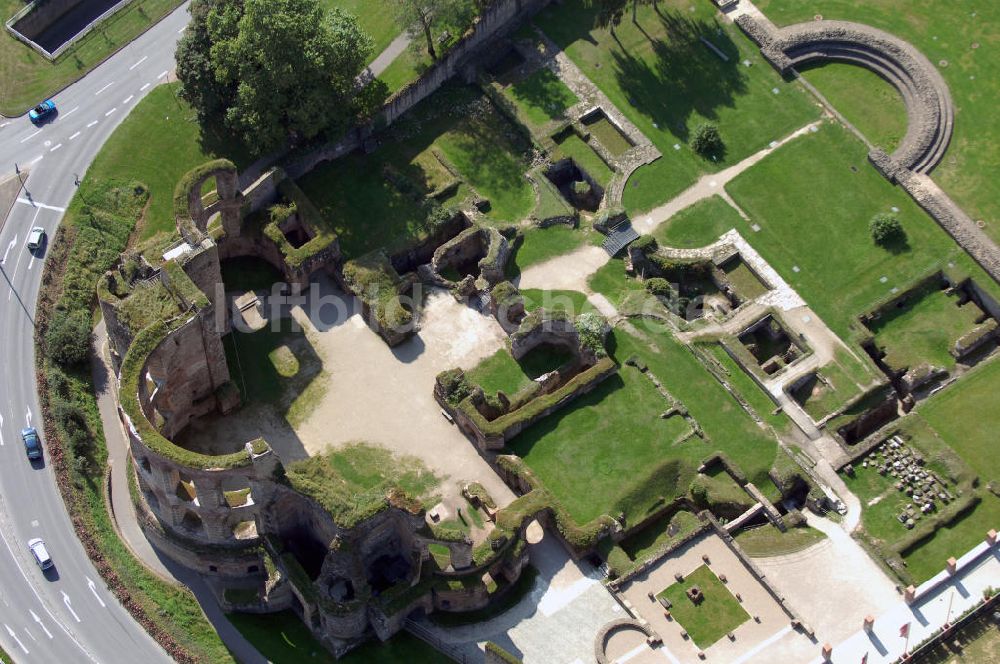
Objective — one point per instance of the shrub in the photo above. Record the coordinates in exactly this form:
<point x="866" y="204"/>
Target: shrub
<point x="706" y="139"/>
<point x="593" y="328"/>
<point x="658" y="286"/>
<point x="68" y="337"/>
<point x="886" y="229"/>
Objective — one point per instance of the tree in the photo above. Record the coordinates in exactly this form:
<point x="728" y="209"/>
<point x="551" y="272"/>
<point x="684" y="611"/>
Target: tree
<point x="886" y="229"/>
<point x="419" y="17"/>
<point x="610" y="12"/>
<point x="273" y="70"/>
<point x="706" y="139"/>
<point x="68" y="338"/>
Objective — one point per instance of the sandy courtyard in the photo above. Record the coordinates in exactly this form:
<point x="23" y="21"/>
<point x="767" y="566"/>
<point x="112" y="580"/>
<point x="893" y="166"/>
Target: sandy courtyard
<point x="384" y="395"/>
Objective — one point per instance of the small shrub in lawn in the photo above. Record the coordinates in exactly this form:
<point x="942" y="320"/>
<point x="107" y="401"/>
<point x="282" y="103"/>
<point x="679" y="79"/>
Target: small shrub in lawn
<point x="658" y="286"/>
<point x="706" y="139"/>
<point x="886" y="229"/>
<point x="68" y="337"/>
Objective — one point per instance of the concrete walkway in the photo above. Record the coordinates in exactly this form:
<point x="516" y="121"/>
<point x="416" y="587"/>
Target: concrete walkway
<point x="391" y="52"/>
<point x="125" y="517"/>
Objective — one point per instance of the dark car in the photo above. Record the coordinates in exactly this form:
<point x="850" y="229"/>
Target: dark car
<point x="42" y="112"/>
<point x="32" y="443"/>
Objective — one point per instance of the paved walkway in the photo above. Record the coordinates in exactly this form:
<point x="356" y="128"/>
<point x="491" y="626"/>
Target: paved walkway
<point x="555" y="623"/>
<point x="391" y="52"/>
<point x="125" y="517"/>
<point x="925" y="617"/>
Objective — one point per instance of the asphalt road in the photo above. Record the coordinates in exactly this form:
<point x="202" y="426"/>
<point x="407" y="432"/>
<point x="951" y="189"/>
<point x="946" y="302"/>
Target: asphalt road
<point x="68" y="615"/>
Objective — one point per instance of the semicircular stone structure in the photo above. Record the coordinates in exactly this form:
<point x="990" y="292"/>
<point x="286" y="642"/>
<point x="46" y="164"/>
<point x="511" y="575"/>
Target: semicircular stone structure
<point x="928" y="102"/>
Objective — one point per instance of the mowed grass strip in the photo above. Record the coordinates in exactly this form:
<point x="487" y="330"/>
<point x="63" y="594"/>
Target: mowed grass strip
<point x="711" y="619"/>
<point x="26" y="77"/>
<point x="961" y="39"/>
<point x="541" y="96"/>
<point x="813" y="200"/>
<point x="700" y="224"/>
<point x="661" y="76"/>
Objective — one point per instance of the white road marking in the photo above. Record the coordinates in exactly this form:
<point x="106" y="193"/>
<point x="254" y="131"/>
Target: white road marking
<point x="10" y="246"/>
<point x="111" y="111"/>
<point x="40" y="623"/>
<point x="127" y="99"/>
<point x="91" y="124"/>
<point x="69" y="606"/>
<point x="18" y="263"/>
<point x="104" y="88"/>
<point x="1" y="444"/>
<point x="146" y="85"/>
<point x="36" y="160"/>
<point x="27" y="416"/>
<point x="162" y="74"/>
<point x="14" y="636"/>
<point x="141" y="60"/>
<point x="74" y="136"/>
<point x="182" y="30"/>
<point x="30" y="136"/>
<point x="30" y="635"/>
<point x="4" y="124"/>
<point x="41" y="206"/>
<point x="38" y="597"/>
<point x="71" y="111"/>
<point x="55" y="147"/>
<point x="93" y="589"/>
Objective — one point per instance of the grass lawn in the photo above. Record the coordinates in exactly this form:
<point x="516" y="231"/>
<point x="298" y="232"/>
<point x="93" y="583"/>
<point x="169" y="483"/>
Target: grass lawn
<point x="652" y="537"/>
<point x="291" y="379"/>
<point x="701" y="224"/>
<point x="249" y="273"/>
<point x="838" y="382"/>
<point x="27" y="78"/>
<point x="367" y="211"/>
<point x="283" y="639"/>
<point x="585" y="157"/>
<point x="924" y="330"/>
<point x="711" y="619"/>
<point x="609" y="136"/>
<point x="944" y="31"/>
<point x="769" y="541"/>
<point x="156" y="144"/>
<point x="540" y="244"/>
<point x="375" y="17"/>
<point x="744" y="281"/>
<point x="804" y="225"/>
<point x="751" y="392"/>
<point x="572" y="302"/>
<point x="501" y="372"/>
<point x="666" y="82"/>
<point x="632" y="459"/>
<point x="541" y="97"/>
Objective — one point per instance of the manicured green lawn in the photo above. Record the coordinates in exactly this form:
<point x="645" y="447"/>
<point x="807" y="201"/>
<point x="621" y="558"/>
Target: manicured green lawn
<point x="283" y="639"/>
<point x="944" y="31"/>
<point x="925" y="330"/>
<point x="367" y="211"/>
<point x="609" y="136"/>
<point x="666" y="82"/>
<point x="609" y="451"/>
<point x="156" y="144"/>
<point x="501" y="372"/>
<point x="746" y="284"/>
<point x="572" y="302"/>
<point x="541" y="97"/>
<point x="27" y="78"/>
<point x="584" y="156"/>
<point x="647" y="541"/>
<point x="277" y="367"/>
<point x="374" y="16"/>
<point x="701" y="224"/>
<point x="813" y="199"/>
<point x="541" y="244"/>
<point x="769" y="541"/>
<point x="711" y="619"/>
<point x="741" y="381"/>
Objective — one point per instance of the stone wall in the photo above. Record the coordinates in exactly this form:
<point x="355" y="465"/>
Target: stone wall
<point x="500" y="19"/>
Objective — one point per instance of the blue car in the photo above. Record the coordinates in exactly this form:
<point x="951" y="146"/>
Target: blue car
<point x="42" y="112"/>
<point x="32" y="443"/>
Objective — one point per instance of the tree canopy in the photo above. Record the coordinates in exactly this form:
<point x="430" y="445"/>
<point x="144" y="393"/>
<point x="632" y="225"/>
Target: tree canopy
<point x="273" y="71"/>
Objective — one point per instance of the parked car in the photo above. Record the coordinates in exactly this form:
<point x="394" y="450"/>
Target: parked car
<point x="36" y="238"/>
<point x="42" y="112"/>
<point x="32" y="443"/>
<point x="40" y="553"/>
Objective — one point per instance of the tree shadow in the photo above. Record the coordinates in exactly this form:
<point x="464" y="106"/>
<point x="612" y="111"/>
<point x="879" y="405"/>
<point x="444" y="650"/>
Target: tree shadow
<point x="684" y="76"/>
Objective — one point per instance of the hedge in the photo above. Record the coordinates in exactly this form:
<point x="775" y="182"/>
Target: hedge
<point x="182" y="214"/>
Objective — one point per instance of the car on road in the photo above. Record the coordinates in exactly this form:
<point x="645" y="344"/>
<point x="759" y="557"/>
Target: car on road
<point x="36" y="238"/>
<point x="42" y="112"/>
<point x="40" y="553"/>
<point x="32" y="443"/>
